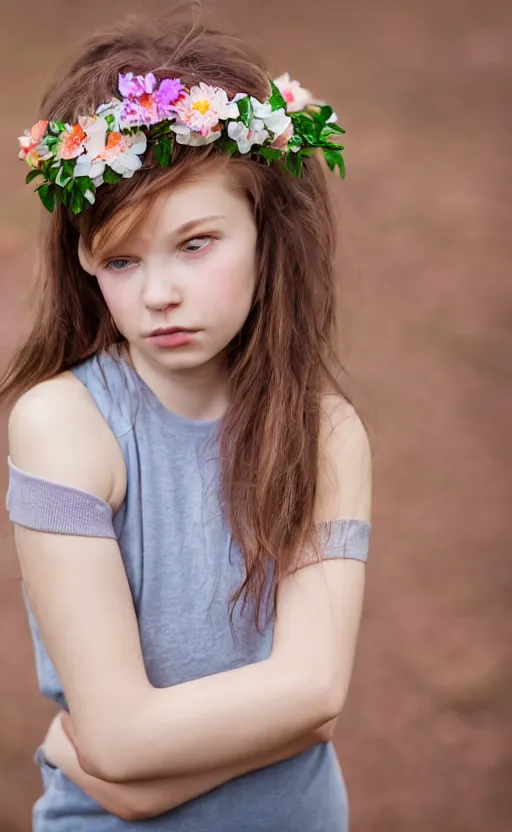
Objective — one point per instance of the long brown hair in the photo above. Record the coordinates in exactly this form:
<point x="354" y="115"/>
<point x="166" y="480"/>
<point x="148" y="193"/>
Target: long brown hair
<point x="281" y="362"/>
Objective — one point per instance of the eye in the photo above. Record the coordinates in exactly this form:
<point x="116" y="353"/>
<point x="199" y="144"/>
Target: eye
<point x="118" y="264"/>
<point x="196" y="244"/>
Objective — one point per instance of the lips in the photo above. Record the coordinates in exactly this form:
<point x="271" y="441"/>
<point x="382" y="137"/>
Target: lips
<point x="167" y="337"/>
<point x="169" y="331"/>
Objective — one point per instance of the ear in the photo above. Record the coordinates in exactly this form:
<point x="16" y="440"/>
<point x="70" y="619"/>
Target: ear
<point x="85" y="259"/>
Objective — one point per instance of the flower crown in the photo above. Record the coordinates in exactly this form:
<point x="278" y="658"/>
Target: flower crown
<point x="75" y="159"/>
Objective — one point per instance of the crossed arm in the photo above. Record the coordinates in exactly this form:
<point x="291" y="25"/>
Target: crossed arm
<point x="209" y="730"/>
<point x="142" y="799"/>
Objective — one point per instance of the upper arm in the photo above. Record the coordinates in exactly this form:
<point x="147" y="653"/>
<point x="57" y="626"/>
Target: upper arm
<point x="319" y="606"/>
<point x="345" y="464"/>
<point x="76" y="585"/>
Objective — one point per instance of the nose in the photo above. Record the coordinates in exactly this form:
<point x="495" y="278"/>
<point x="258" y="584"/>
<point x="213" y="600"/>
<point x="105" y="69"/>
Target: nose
<point x="160" y="290"/>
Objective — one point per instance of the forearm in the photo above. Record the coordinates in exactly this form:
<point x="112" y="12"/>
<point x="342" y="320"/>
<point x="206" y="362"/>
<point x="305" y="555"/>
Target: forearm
<point x="141" y="799"/>
<point x="208" y="724"/>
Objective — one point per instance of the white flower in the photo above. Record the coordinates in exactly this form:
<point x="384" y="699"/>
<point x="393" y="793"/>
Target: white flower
<point x="297" y="98"/>
<point x="184" y="135"/>
<point x="278" y="122"/>
<point x="121" y="153"/>
<point x="93" y="168"/>
<point x="114" y="108"/>
<point x="245" y="137"/>
<point x="124" y="157"/>
<point x="275" y="120"/>
<point x="95" y="128"/>
<point x="203" y="108"/>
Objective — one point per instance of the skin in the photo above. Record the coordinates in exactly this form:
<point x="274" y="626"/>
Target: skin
<point x="139" y="750"/>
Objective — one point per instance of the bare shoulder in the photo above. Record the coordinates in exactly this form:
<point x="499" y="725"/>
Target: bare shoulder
<point x="345" y="463"/>
<point x="341" y="426"/>
<point x="57" y="432"/>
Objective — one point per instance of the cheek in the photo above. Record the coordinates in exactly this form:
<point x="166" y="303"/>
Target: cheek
<point x="118" y="299"/>
<point x="230" y="286"/>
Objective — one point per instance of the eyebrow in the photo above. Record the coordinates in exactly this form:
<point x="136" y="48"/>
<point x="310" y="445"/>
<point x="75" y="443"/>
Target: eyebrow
<point x="185" y="228"/>
<point x="191" y="224"/>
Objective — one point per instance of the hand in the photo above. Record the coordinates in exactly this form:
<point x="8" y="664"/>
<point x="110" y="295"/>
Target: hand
<point x="59" y="749"/>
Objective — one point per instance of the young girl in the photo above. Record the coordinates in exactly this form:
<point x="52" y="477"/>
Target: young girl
<point x="189" y="487"/>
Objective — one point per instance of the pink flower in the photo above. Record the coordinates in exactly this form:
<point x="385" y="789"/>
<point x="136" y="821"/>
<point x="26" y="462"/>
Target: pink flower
<point x="72" y="142"/>
<point x="167" y="94"/>
<point x="32" y="150"/>
<point x="297" y="98"/>
<point x="203" y="108"/>
<point x="144" y="103"/>
<point x="133" y="86"/>
<point x="140" y="111"/>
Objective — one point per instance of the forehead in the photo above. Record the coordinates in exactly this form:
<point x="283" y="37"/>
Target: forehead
<point x="212" y="195"/>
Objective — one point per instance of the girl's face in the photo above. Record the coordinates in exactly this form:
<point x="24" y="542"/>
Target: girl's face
<point x="180" y="286"/>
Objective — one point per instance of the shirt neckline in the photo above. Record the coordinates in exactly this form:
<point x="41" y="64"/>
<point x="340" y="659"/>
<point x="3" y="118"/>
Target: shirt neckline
<point x="181" y="424"/>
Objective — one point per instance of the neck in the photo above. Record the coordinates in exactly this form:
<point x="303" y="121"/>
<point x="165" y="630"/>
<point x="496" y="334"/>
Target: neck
<point x="199" y="393"/>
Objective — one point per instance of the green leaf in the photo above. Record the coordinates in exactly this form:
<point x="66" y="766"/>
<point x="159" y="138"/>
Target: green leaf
<point x="163" y="150"/>
<point x="90" y="197"/>
<point x="305" y="127"/>
<point x="84" y="183"/>
<point x="161" y="129"/>
<point x="271" y="154"/>
<point x="325" y="112"/>
<point x="47" y="196"/>
<point x="326" y="133"/>
<point x="110" y="176"/>
<point x="296" y="141"/>
<point x="62" y="179"/>
<point x="334" y="128"/>
<point x="63" y="195"/>
<point x="294" y="163"/>
<point x="52" y="172"/>
<point x="246" y="111"/>
<point x="335" y="160"/>
<point x="276" y="99"/>
<point x="56" y="126"/>
<point x="77" y="202"/>
<point x="32" y="175"/>
<point x="68" y="166"/>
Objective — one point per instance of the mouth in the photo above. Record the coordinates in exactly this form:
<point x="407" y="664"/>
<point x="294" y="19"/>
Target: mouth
<point x="172" y="330"/>
<point x="167" y="337"/>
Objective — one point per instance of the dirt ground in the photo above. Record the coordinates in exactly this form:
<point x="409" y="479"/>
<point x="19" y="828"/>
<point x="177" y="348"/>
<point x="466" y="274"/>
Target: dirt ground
<point x="424" y="90"/>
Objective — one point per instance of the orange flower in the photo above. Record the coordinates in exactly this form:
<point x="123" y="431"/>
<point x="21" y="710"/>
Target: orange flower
<point x="114" y="141"/>
<point x="72" y="143"/>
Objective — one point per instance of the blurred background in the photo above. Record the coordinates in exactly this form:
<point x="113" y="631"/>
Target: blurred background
<point x="424" y="90"/>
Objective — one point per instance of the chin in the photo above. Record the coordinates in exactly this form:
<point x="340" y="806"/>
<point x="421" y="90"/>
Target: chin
<point x="181" y="359"/>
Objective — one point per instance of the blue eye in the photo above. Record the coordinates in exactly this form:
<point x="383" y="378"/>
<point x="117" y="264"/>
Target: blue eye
<point x="118" y="264"/>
